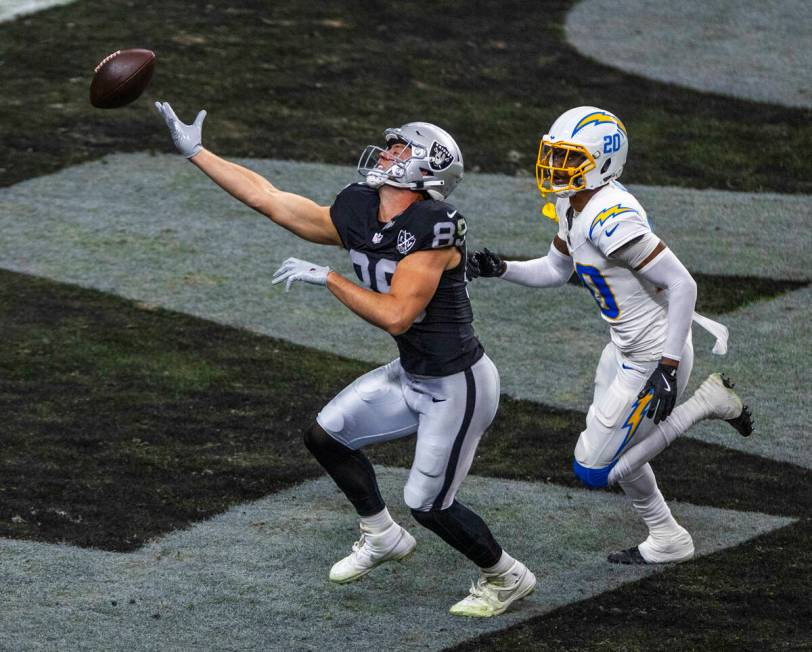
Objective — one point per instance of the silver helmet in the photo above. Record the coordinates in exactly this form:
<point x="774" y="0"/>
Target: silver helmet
<point x="431" y="161"/>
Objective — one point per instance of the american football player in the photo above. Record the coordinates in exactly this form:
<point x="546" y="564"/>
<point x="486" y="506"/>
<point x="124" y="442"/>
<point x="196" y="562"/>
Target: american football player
<point x="407" y="246"/>
<point x="647" y="297"/>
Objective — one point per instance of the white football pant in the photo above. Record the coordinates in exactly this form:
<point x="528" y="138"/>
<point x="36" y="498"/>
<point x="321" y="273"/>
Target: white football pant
<point x="449" y="415"/>
<point x="616" y="419"/>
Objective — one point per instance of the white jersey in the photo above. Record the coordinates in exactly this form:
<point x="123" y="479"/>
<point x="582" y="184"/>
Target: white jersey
<point x="635" y="309"/>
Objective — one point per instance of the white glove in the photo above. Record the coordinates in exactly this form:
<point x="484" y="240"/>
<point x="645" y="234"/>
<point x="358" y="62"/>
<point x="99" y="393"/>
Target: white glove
<point x="187" y="138"/>
<point x="294" y="269"/>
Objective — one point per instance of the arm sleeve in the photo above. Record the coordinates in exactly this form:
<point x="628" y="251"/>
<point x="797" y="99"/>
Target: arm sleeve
<point x="666" y="271"/>
<point x="552" y="270"/>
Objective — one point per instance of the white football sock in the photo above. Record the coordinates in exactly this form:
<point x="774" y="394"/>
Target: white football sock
<point x="504" y="564"/>
<point x="377" y="523"/>
<point x="681" y="419"/>
<point x="641" y="487"/>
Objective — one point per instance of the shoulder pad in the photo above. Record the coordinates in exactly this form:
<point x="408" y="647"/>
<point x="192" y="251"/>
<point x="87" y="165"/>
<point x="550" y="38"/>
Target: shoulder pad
<point x="434" y="225"/>
<point x="615" y="220"/>
<point x="351" y="204"/>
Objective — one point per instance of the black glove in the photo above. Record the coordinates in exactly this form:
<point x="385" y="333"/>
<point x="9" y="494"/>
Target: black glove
<point x="663" y="385"/>
<point x="484" y="263"/>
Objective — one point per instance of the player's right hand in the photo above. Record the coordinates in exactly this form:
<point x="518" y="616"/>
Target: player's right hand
<point x="484" y="263"/>
<point x="295" y="269"/>
<point x="187" y="138"/>
<point x="662" y="385"/>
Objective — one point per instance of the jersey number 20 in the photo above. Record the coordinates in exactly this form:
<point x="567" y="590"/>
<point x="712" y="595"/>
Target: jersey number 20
<point x="593" y="280"/>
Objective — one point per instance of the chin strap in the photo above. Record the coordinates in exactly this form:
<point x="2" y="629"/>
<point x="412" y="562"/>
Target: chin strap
<point x="375" y="179"/>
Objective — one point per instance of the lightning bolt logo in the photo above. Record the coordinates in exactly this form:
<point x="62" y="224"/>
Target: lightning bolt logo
<point x="608" y="213"/>
<point x="633" y="421"/>
<point x="597" y="118"/>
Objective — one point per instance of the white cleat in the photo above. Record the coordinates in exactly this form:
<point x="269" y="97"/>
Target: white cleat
<point x="394" y="544"/>
<point x="492" y="594"/>
<point x="716" y="392"/>
<point x="672" y="550"/>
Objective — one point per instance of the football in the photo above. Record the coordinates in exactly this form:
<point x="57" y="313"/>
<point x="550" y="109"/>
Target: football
<point x="121" y="77"/>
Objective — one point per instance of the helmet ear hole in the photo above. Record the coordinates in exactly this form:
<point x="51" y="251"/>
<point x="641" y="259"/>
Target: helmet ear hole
<point x="606" y="165"/>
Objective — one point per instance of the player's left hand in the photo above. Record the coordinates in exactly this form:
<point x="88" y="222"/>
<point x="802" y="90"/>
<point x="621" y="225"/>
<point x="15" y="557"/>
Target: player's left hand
<point x="295" y="269"/>
<point x="663" y="385"/>
<point x="188" y="139"/>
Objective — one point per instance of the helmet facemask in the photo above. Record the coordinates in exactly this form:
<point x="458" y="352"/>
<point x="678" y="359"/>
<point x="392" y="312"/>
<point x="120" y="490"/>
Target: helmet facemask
<point x="561" y="167"/>
<point x="430" y="161"/>
<point x="381" y="166"/>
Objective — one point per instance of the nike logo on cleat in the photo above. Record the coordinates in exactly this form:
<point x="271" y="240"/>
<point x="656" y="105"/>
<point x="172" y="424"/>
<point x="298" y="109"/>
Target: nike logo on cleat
<point x="438" y="400"/>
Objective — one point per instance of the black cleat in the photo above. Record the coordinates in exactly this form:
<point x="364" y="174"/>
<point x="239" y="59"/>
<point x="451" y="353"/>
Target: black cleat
<point x="628" y="556"/>
<point x="744" y="422"/>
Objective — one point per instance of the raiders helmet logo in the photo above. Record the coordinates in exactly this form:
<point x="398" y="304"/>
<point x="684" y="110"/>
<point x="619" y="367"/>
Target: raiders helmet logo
<point x="439" y="156"/>
<point x="405" y="241"/>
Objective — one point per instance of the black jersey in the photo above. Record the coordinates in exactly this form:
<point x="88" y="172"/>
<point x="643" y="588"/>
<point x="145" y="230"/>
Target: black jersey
<point x="441" y="341"/>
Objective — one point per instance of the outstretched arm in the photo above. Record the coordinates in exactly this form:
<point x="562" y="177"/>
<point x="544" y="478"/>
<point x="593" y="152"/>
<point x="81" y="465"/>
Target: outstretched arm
<point x="297" y="214"/>
<point x="552" y="270"/>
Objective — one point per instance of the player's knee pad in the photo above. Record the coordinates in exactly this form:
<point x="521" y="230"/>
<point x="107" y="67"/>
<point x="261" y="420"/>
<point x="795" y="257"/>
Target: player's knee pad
<point x="426" y="480"/>
<point x="420" y="492"/>
<point x="592" y="478"/>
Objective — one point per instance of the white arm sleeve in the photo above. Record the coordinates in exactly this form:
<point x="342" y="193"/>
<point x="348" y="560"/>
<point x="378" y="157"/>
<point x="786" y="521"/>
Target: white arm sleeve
<point x="552" y="270"/>
<point x="666" y="271"/>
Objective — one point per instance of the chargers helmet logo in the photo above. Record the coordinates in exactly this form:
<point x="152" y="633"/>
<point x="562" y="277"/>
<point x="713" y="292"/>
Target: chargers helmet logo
<point x="440" y="157"/>
<point x="598" y="118"/>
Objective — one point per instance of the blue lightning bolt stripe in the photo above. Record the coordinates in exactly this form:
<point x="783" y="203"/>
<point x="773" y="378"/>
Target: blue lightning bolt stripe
<point x="608" y="213"/>
<point x="633" y="421"/>
<point x="596" y="118"/>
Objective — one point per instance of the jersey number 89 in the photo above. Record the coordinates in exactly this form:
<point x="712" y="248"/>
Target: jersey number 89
<point x="448" y="233"/>
<point x="375" y="274"/>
